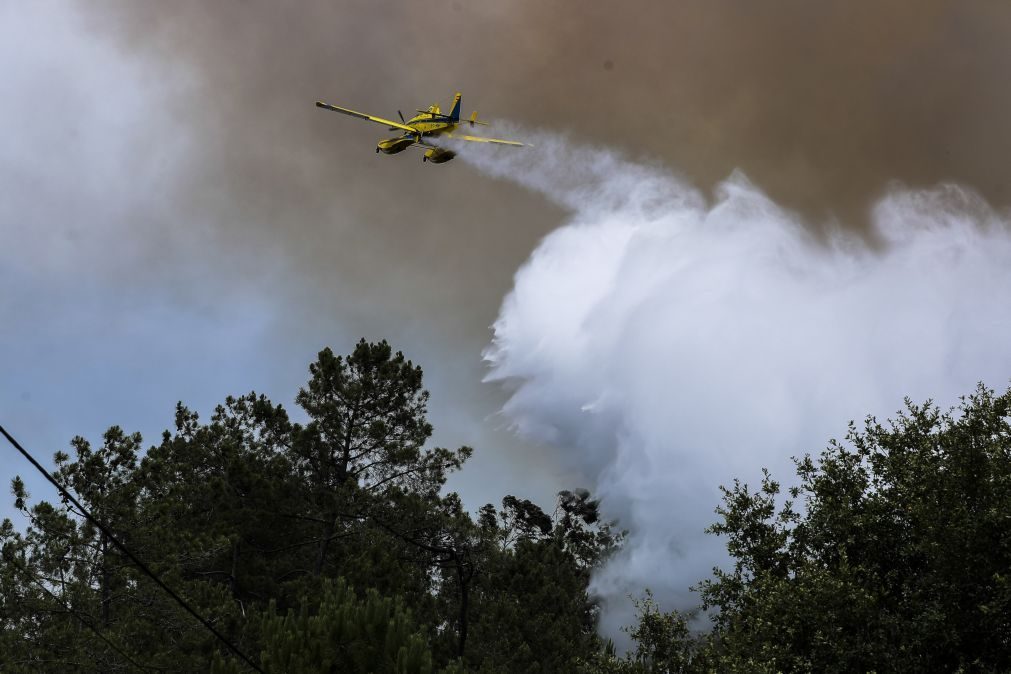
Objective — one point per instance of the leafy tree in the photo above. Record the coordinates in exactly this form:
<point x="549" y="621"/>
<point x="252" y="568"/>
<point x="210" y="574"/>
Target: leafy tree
<point x="251" y="517"/>
<point x="269" y="507"/>
<point x="102" y="481"/>
<point x="532" y="609"/>
<point x="85" y="606"/>
<point x="664" y="644"/>
<point x="219" y="497"/>
<point x="898" y="560"/>
<point x="75" y="583"/>
<point x="364" y="441"/>
<point x="341" y="633"/>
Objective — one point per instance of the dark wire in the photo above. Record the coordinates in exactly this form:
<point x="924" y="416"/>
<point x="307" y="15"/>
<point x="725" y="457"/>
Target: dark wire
<point x="140" y="565"/>
<point x="71" y="611"/>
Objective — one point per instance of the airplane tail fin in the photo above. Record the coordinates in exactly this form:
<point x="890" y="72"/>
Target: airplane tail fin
<point x="455" y="113"/>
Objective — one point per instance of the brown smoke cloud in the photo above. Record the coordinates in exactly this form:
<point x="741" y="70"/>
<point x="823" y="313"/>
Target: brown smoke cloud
<point x="821" y="104"/>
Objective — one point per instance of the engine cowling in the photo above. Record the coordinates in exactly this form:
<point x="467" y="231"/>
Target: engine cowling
<point x="438" y="155"/>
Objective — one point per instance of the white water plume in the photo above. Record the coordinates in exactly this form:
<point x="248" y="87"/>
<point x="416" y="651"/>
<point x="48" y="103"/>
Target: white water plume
<point x="665" y="345"/>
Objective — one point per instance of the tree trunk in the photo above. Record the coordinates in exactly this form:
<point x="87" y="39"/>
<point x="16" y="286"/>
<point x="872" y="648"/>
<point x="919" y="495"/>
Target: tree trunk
<point x="106" y="580"/>
<point x="341" y="477"/>
<point x="324" y="542"/>
<point x="464" y="598"/>
<point x="233" y="583"/>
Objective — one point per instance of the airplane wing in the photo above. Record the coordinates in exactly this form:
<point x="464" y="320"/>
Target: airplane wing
<point x="481" y="139"/>
<point x="377" y="120"/>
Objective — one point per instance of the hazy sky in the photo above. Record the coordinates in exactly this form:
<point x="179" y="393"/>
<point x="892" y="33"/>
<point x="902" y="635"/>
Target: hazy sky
<point x="179" y="222"/>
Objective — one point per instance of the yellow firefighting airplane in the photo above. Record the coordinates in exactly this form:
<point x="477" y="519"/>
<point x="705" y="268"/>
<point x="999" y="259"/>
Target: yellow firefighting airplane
<point x="428" y="123"/>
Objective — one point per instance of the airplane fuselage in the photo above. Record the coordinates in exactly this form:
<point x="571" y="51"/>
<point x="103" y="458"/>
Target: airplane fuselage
<point x="425" y="127"/>
<point x="426" y="124"/>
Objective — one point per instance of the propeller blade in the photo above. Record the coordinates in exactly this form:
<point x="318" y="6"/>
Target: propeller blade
<point x="402" y="117"/>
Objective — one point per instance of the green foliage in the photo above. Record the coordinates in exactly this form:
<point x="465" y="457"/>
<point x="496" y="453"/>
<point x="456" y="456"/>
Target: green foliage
<point x="891" y="554"/>
<point x="663" y="641"/>
<point x="533" y="612"/>
<point x="340" y="634"/>
<point x="898" y="561"/>
<point x="363" y="446"/>
<point x="253" y="517"/>
<point x="664" y="644"/>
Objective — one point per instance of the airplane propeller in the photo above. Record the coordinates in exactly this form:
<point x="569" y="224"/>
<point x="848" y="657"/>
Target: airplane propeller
<point x="404" y="121"/>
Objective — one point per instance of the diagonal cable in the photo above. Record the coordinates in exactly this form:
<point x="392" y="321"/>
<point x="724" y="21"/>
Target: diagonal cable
<point x="87" y="623"/>
<point x="126" y="551"/>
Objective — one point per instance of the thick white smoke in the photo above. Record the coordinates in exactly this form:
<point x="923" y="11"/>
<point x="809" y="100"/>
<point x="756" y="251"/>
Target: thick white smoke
<point x="665" y="345"/>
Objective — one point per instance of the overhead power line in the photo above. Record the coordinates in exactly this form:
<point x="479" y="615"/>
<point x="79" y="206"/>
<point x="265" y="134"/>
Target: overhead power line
<point x="126" y="551"/>
<point x="66" y="607"/>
